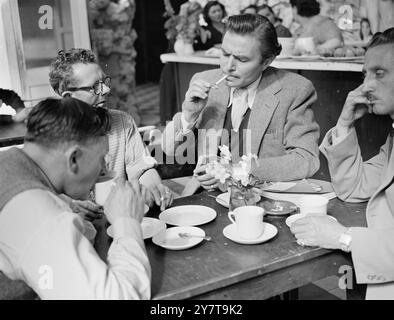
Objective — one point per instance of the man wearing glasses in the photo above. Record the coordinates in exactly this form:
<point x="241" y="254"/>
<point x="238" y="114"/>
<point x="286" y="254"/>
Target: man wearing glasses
<point x="75" y="72"/>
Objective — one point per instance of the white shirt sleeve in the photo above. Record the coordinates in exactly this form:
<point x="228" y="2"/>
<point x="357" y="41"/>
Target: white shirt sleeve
<point x="339" y="133"/>
<point x="186" y="126"/>
<point x="46" y="247"/>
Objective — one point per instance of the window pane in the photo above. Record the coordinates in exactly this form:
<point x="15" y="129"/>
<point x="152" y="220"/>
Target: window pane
<point x="41" y="45"/>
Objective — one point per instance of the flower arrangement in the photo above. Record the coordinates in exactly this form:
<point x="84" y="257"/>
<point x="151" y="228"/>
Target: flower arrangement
<point x="185" y="25"/>
<point x="236" y="176"/>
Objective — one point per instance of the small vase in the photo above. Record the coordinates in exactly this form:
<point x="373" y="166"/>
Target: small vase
<point x="240" y="197"/>
<point x="183" y="47"/>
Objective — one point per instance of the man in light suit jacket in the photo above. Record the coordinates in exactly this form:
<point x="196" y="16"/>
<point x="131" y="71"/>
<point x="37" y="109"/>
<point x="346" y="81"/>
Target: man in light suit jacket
<point x="372" y="248"/>
<point x="257" y="109"/>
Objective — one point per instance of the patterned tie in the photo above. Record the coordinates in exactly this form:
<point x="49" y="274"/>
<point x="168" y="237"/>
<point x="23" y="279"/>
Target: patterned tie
<point x="239" y="107"/>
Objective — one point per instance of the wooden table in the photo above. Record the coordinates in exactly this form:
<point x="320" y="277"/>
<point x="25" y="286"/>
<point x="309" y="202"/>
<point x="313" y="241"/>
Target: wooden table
<point x="11" y="134"/>
<point x="222" y="269"/>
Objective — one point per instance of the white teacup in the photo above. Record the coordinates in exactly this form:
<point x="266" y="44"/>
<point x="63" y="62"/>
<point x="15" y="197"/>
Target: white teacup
<point x="305" y="45"/>
<point x="103" y="187"/>
<point x="314" y="205"/>
<point x="249" y="221"/>
<point x="287" y="46"/>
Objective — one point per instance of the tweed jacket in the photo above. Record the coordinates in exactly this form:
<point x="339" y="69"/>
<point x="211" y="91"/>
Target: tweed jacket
<point x="283" y="132"/>
<point x="353" y="180"/>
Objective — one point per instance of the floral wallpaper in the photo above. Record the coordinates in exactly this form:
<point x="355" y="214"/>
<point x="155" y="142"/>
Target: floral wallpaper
<point x="113" y="40"/>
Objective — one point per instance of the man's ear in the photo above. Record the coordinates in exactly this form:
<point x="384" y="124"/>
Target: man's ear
<point x="268" y="62"/>
<point x="74" y="156"/>
<point x="66" y="94"/>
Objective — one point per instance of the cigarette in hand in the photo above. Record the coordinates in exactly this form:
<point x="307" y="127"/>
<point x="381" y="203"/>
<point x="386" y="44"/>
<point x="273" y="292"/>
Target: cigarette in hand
<point x="221" y="80"/>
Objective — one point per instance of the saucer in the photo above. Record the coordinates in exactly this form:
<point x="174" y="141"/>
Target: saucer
<point x="290" y="220"/>
<point x="278" y="207"/>
<point x="170" y="239"/>
<point x="150" y="227"/>
<point x="189" y="215"/>
<point x="230" y="232"/>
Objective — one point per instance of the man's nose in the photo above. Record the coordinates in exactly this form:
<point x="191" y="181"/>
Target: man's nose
<point x="368" y="84"/>
<point x="229" y="66"/>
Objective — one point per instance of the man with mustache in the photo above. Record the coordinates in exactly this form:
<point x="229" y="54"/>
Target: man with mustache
<point x="372" y="248"/>
<point x="257" y="109"/>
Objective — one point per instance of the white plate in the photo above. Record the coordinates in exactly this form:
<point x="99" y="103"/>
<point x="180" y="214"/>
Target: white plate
<point x="170" y="239"/>
<point x="290" y="220"/>
<point x="188" y="215"/>
<point x="231" y="233"/>
<point x="224" y="199"/>
<point x="150" y="227"/>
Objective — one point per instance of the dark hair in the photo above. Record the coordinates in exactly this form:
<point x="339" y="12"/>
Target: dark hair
<point x="53" y="122"/>
<point x="261" y="28"/>
<point x="252" y="6"/>
<point x="61" y="68"/>
<point x="306" y="8"/>
<point x="11" y="98"/>
<point x="382" y="38"/>
<point x="361" y="33"/>
<point x="208" y="6"/>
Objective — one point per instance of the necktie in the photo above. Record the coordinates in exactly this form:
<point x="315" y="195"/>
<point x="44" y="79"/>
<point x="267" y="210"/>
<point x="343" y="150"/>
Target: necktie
<point x="239" y="107"/>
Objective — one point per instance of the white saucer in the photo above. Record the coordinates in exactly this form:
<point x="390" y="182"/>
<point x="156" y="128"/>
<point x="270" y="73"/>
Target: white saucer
<point x="188" y="215"/>
<point x="231" y="233"/>
<point x="150" y="227"/>
<point x="224" y="199"/>
<point x="290" y="220"/>
<point x="170" y="239"/>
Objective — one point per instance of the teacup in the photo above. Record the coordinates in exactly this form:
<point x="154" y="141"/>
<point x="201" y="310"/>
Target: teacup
<point x="287" y="46"/>
<point x="103" y="187"/>
<point x="313" y="205"/>
<point x="305" y="45"/>
<point x="248" y="221"/>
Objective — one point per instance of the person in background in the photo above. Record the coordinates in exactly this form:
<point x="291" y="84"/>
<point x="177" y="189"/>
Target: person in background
<point x="214" y="13"/>
<point x="12" y="99"/>
<point x="325" y="33"/>
<point x="75" y="72"/>
<point x="258" y="109"/>
<point x="45" y="244"/>
<point x="281" y="30"/>
<point x="372" y="247"/>
<point x="365" y="31"/>
<point x="252" y="9"/>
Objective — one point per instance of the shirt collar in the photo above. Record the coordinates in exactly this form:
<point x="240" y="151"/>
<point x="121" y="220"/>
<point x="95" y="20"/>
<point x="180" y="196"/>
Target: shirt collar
<point x="252" y="90"/>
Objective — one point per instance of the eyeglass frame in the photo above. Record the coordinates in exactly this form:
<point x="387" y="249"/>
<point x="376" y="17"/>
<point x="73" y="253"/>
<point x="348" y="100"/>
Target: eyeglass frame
<point x="88" y="88"/>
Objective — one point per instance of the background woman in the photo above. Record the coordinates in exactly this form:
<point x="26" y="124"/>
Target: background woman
<point x="326" y="35"/>
<point x="214" y="13"/>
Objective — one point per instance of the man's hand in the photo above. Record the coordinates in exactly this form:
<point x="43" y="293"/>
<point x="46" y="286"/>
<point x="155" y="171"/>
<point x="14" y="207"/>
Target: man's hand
<point x="87" y="209"/>
<point x="207" y="181"/>
<point x="196" y="99"/>
<point x="320" y="231"/>
<point x="356" y="106"/>
<point x="126" y="199"/>
<point x="159" y="194"/>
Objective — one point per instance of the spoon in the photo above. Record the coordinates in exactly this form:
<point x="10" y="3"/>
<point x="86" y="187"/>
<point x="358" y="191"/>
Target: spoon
<point x="188" y="235"/>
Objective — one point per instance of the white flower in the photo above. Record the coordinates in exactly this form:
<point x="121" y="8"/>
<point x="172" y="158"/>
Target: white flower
<point x="225" y="153"/>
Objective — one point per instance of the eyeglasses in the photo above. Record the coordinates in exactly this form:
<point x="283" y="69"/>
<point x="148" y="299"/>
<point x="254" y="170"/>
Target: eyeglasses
<point x="97" y="87"/>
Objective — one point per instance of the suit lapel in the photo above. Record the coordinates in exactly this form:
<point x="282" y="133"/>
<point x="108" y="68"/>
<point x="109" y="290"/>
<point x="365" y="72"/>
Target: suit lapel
<point x="264" y="106"/>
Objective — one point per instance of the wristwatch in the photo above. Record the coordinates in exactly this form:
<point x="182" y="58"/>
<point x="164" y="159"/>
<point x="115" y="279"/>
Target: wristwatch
<point x="345" y="240"/>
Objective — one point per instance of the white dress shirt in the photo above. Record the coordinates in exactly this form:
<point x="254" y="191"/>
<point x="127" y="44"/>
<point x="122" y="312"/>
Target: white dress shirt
<point x="251" y="95"/>
<point x="44" y="244"/>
